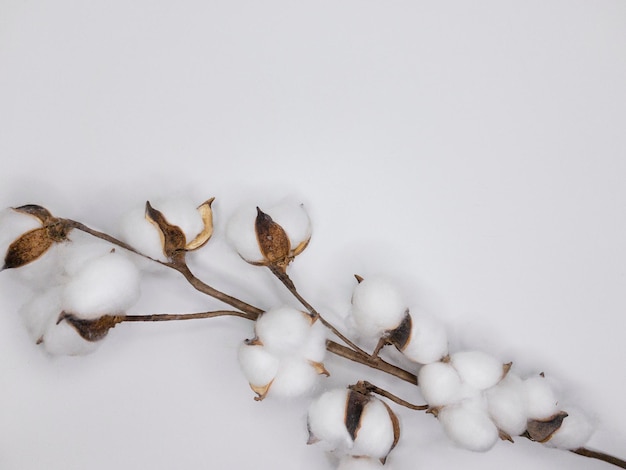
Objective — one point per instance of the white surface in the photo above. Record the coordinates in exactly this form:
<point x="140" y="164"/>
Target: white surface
<point x="473" y="151"/>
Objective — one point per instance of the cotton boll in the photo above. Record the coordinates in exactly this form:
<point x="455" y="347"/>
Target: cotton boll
<point x="295" y="377"/>
<point x="40" y="310"/>
<point x="428" y="341"/>
<point x="326" y="420"/>
<point x="469" y="426"/>
<point x="375" y="435"/>
<point x="283" y="330"/>
<point x="574" y="432"/>
<point x="294" y="220"/>
<point x="506" y="405"/>
<point x="241" y="234"/>
<point x="258" y="366"/>
<point x="539" y="398"/>
<point x="440" y="384"/>
<point x="377" y="306"/>
<point x="141" y="234"/>
<point x="478" y="369"/>
<point x="63" y="340"/>
<point x="359" y="463"/>
<point x="107" y="285"/>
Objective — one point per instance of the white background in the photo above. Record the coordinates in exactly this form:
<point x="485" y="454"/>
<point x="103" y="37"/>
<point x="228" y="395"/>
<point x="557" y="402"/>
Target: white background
<point x="473" y="151"/>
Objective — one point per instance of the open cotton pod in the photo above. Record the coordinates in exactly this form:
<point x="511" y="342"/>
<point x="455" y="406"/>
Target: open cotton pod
<point x="166" y="227"/>
<point x="377" y="307"/>
<point x="505" y="403"/>
<point x="353" y="422"/>
<point x="574" y="431"/>
<point x="272" y="236"/>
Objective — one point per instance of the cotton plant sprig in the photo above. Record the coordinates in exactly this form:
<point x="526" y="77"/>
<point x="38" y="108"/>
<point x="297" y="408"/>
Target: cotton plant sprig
<point x="85" y="281"/>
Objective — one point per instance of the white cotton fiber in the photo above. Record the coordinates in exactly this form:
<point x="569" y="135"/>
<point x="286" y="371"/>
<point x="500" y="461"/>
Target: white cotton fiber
<point x="469" y="426"/>
<point x="40" y="310"/>
<point x="45" y="271"/>
<point x="295" y="377"/>
<point x="106" y="285"/>
<point x="141" y="234"/>
<point x="294" y="220"/>
<point x="574" y="432"/>
<point x="63" y="339"/>
<point x="506" y="405"/>
<point x="377" y="306"/>
<point x="477" y="369"/>
<point x="440" y="384"/>
<point x="283" y="330"/>
<point x="349" y="462"/>
<point x="241" y="234"/>
<point x="80" y="251"/>
<point x="14" y="224"/>
<point x="258" y="366"/>
<point x="539" y="398"/>
<point x="428" y="341"/>
<point x="314" y="346"/>
<point x="326" y="419"/>
<point x="375" y="436"/>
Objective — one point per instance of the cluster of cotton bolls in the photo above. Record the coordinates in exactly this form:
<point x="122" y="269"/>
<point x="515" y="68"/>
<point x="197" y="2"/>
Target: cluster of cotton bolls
<point x="359" y="427"/>
<point x="81" y="277"/>
<point x="476" y="397"/>
<point x="284" y="359"/>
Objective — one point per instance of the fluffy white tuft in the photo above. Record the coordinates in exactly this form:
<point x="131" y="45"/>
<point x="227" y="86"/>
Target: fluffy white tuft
<point x="477" y="369"/>
<point x="295" y="377"/>
<point x="106" y="285"/>
<point x="283" y="330"/>
<point x="506" y="405"/>
<point x="440" y="384"/>
<point x="40" y="310"/>
<point x="377" y="306"/>
<point x="428" y="341"/>
<point x="141" y="234"/>
<point x="314" y="347"/>
<point x="326" y="419"/>
<point x="539" y="398"/>
<point x="63" y="339"/>
<point x="469" y="426"/>
<point x="574" y="432"/>
<point x="375" y="435"/>
<point x="241" y="234"/>
<point x="258" y="366"/>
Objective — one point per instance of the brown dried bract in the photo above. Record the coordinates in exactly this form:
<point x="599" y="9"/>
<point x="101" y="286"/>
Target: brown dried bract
<point x="273" y="240"/>
<point x="542" y="430"/>
<point x="91" y="330"/>
<point x="41" y="213"/>
<point x="27" y="248"/>
<point x="396" y="430"/>
<point x="172" y="237"/>
<point x="207" y="219"/>
<point x="401" y="335"/>
<point x="355" y="403"/>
